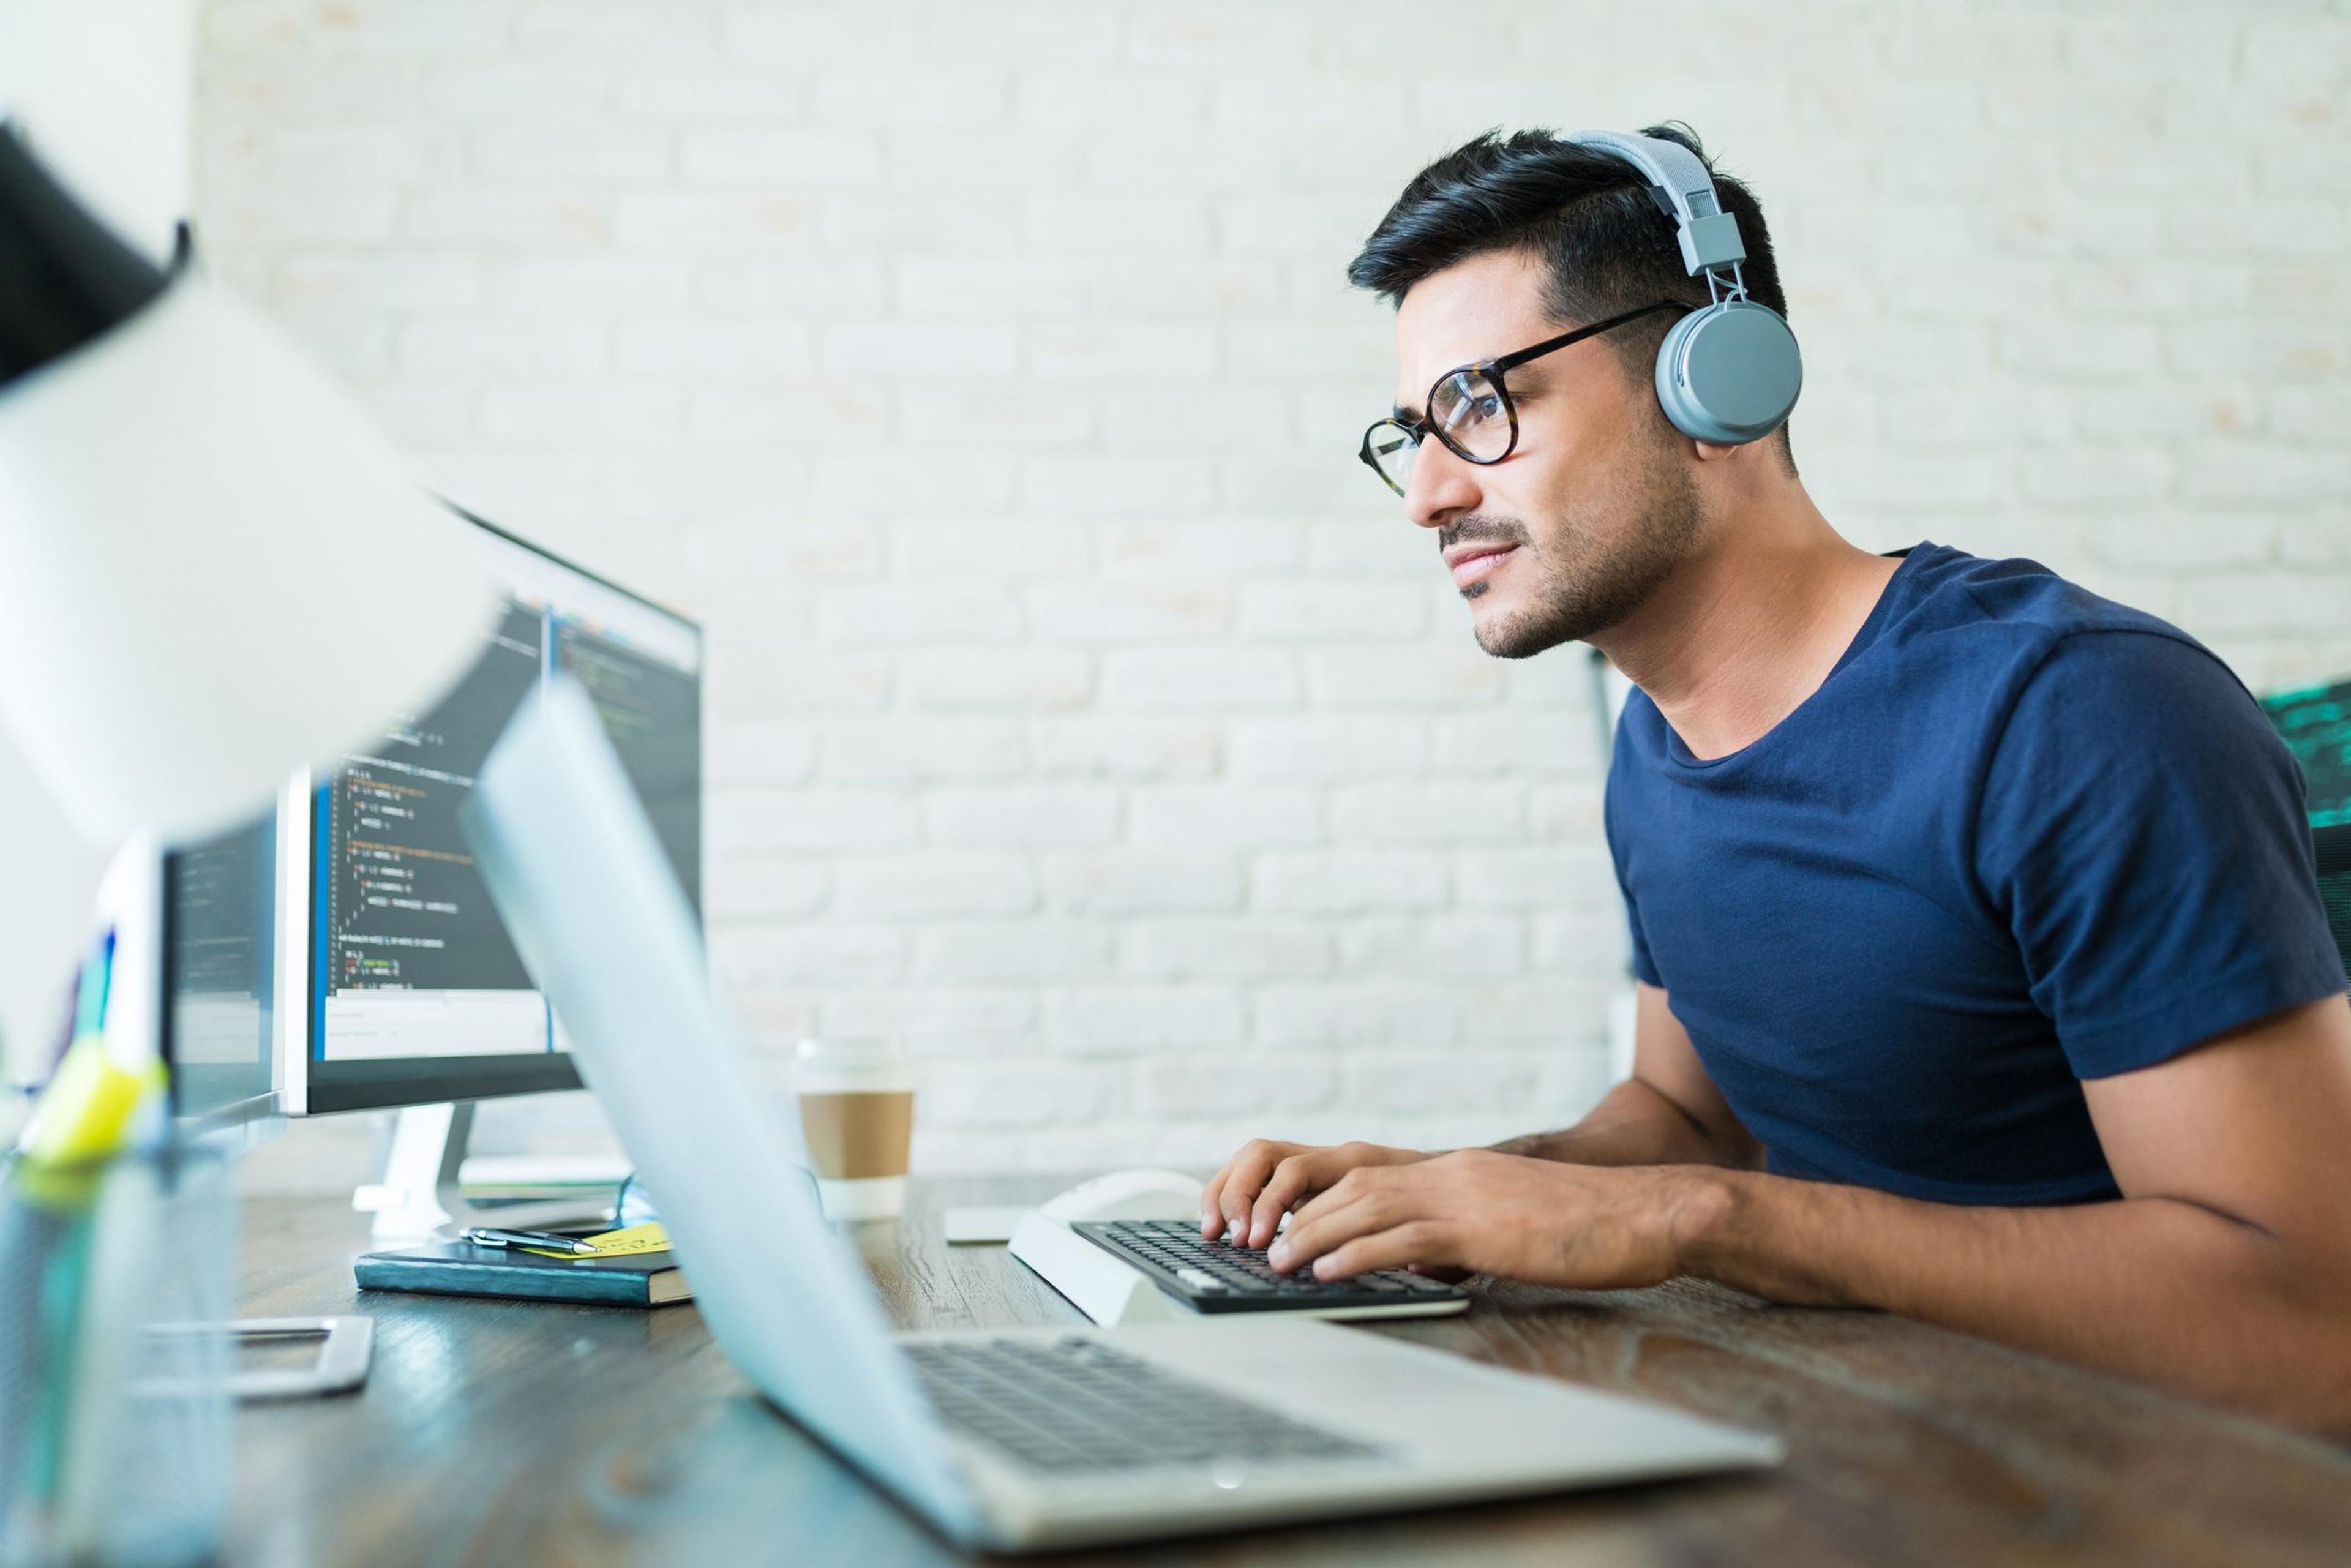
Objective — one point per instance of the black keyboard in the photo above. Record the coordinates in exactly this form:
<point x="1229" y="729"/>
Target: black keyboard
<point x="1075" y="1404"/>
<point x="1219" y="1277"/>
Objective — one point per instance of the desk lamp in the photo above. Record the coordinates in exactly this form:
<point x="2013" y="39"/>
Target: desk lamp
<point x="212" y="570"/>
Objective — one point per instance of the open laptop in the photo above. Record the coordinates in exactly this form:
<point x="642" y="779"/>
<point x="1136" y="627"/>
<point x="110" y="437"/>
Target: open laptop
<point x="1021" y="1439"/>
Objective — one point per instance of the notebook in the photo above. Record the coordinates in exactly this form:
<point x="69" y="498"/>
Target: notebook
<point x="463" y="1268"/>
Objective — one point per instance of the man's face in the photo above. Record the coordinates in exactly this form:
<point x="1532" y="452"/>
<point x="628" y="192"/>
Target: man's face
<point x="1592" y="509"/>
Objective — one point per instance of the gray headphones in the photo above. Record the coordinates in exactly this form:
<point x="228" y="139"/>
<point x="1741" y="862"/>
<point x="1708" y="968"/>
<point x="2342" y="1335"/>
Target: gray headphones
<point x="1728" y="372"/>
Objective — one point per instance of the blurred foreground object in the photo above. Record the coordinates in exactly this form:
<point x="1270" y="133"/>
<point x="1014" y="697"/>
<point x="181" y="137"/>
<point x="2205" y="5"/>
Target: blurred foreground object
<point x="187" y="512"/>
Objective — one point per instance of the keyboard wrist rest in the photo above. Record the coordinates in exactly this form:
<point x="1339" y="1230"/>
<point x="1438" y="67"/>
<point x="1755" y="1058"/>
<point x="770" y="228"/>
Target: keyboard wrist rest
<point x="1106" y="1287"/>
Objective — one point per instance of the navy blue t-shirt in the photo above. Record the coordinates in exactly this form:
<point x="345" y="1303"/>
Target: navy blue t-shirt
<point x="2020" y="836"/>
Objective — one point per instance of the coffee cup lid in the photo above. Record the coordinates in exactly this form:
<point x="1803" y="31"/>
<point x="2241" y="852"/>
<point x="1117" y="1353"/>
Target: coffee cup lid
<point x="836" y="1052"/>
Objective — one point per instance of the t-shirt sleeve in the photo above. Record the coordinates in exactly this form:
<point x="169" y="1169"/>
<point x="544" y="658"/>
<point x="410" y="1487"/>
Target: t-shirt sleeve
<point x="1644" y="968"/>
<point x="2142" y="832"/>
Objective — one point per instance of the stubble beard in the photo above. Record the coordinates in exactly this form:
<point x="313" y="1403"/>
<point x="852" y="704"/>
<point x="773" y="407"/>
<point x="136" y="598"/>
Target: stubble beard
<point x="1588" y="578"/>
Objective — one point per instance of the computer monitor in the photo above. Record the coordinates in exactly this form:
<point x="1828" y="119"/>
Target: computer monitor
<point x="2315" y="722"/>
<point x="396" y="984"/>
<point x="219" y="990"/>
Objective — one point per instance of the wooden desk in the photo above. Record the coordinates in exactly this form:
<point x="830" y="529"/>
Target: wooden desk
<point x="512" y="1433"/>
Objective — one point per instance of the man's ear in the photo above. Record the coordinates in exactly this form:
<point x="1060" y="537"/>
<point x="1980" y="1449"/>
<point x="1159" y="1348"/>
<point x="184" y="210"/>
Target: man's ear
<point x="1707" y="451"/>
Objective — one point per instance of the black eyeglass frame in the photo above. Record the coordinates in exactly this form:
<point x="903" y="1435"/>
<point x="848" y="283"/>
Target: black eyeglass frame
<point x="1494" y="371"/>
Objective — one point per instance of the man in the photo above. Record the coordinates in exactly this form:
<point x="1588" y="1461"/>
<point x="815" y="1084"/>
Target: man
<point x="1982" y="972"/>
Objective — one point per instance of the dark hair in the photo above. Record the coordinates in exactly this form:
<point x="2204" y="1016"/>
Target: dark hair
<point x="1587" y="214"/>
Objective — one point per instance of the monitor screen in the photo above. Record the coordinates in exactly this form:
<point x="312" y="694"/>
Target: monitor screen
<point x="414" y="993"/>
<point x="220" y="974"/>
<point x="2315" y="722"/>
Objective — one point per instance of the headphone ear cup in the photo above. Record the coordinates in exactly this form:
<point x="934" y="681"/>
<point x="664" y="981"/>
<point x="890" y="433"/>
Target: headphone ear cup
<point x="1729" y="373"/>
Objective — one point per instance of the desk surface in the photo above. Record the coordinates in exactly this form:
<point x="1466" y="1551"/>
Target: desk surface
<point x="513" y="1433"/>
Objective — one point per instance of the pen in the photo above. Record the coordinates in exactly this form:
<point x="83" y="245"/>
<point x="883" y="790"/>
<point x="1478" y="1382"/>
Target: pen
<point x="491" y="1236"/>
<point x="100" y="1084"/>
<point x="96" y="980"/>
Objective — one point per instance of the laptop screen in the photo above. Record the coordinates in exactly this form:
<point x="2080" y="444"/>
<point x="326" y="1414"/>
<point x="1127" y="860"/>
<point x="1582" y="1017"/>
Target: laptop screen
<point x="568" y="854"/>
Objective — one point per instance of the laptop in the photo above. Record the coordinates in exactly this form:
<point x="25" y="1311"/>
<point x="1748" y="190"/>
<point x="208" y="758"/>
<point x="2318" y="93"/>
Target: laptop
<point x="1014" y="1441"/>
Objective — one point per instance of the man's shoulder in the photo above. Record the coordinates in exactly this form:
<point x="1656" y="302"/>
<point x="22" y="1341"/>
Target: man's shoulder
<point x="2013" y="602"/>
<point x="1999" y="635"/>
<point x="1966" y="652"/>
<point x="1965" y="633"/>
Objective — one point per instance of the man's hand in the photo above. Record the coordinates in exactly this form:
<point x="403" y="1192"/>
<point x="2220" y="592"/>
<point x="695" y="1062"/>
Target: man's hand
<point x="1583" y="1227"/>
<point x="1266" y="1179"/>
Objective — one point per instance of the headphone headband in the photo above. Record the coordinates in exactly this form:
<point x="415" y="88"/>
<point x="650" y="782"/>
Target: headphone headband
<point x="1728" y="372"/>
<point x="1683" y="191"/>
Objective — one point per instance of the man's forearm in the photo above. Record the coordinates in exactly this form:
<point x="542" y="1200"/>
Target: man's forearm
<point x="1634" y="1124"/>
<point x="2151" y="1288"/>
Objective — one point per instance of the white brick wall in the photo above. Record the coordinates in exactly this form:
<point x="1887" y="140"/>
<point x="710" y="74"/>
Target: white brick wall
<point x="985" y="376"/>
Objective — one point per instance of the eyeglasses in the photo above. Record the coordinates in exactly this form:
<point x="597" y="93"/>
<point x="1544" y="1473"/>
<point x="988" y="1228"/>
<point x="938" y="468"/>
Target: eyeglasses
<point x="1470" y="410"/>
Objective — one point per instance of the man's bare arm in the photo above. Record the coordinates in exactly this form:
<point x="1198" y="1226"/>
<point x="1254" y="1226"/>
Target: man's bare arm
<point x="1667" y="1113"/>
<point x="2225" y="1271"/>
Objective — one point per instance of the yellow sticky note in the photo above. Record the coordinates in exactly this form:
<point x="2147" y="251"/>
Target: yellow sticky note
<point x="647" y="1237"/>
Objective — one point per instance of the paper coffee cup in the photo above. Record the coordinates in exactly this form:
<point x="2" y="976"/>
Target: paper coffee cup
<point x="857" y="1113"/>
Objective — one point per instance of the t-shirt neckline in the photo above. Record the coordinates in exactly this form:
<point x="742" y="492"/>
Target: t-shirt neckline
<point x="1871" y="626"/>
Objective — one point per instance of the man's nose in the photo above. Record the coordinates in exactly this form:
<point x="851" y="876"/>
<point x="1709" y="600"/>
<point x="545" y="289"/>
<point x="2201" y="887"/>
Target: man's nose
<point x="1442" y="486"/>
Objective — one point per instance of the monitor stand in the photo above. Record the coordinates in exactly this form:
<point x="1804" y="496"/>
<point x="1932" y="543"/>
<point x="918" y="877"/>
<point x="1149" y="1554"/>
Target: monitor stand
<point x="419" y="1196"/>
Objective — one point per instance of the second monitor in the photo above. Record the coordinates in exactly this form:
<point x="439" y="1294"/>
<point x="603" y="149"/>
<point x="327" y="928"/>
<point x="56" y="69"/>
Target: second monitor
<point x="397" y="985"/>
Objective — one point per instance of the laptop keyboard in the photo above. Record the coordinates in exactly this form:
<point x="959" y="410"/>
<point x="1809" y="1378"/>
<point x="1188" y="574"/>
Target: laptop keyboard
<point x="1217" y="1276"/>
<point x="1076" y="1403"/>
